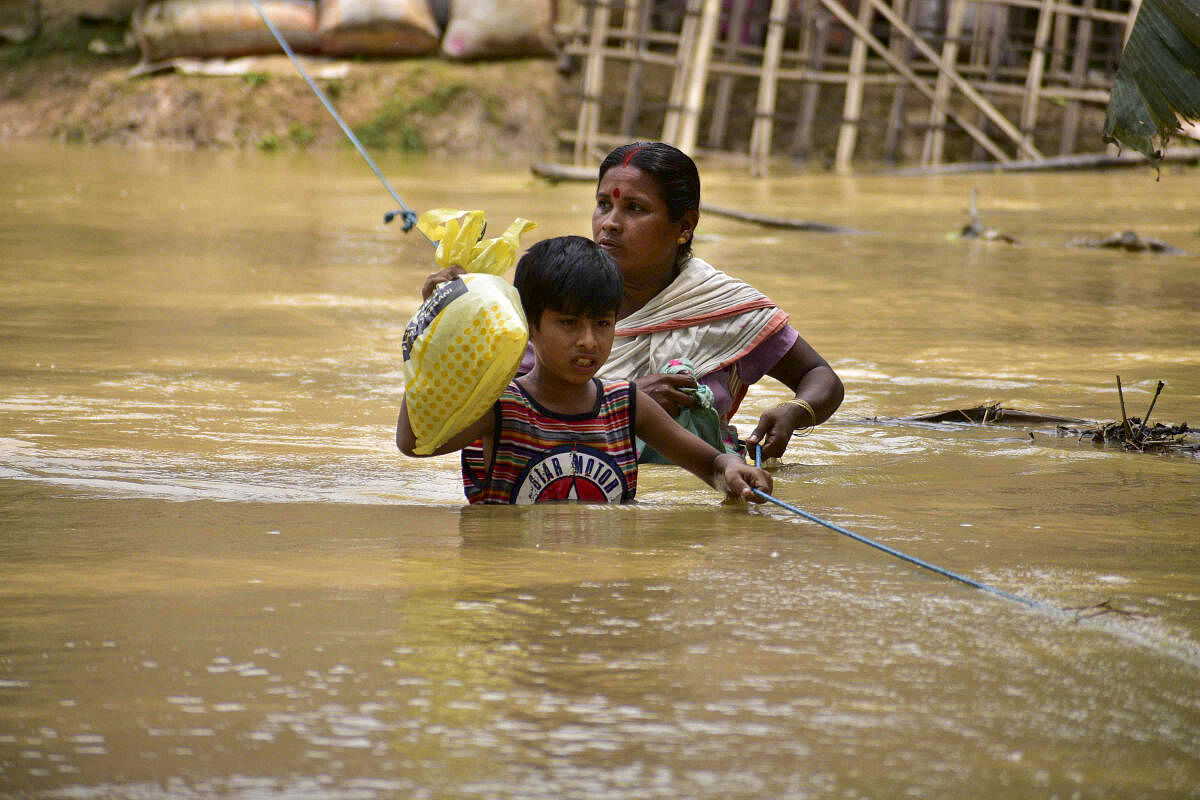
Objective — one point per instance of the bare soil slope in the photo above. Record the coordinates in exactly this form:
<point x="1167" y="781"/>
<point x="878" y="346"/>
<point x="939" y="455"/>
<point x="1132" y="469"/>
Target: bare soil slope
<point x="60" y="90"/>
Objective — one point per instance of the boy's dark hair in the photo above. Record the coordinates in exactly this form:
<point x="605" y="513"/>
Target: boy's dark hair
<point x="672" y="169"/>
<point x="569" y="274"/>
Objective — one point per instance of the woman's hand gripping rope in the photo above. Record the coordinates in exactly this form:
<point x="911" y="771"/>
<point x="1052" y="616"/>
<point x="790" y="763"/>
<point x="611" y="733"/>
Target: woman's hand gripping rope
<point x="777" y="426"/>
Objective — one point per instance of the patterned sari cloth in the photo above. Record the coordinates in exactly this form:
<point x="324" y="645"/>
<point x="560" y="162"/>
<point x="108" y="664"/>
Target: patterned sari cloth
<point x="712" y="322"/>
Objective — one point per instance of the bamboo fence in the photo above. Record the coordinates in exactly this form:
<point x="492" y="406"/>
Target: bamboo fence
<point x="925" y="82"/>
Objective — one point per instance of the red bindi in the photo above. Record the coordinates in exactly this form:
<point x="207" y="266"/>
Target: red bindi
<point x="617" y="192"/>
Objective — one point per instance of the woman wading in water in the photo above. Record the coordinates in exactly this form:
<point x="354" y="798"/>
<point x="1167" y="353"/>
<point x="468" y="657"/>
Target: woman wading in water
<point x="690" y="336"/>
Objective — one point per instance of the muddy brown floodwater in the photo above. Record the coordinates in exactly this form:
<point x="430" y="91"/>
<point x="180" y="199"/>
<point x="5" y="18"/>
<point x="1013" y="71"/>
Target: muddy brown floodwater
<point x="218" y="578"/>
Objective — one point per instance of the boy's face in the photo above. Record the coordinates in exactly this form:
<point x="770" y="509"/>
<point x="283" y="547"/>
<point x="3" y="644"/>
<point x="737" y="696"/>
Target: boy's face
<point x="572" y="347"/>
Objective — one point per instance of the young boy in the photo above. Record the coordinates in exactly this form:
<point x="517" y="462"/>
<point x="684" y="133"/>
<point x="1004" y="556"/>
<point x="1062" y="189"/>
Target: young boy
<point x="557" y="432"/>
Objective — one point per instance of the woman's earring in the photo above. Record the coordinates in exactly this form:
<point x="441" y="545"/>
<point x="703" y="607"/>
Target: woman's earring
<point x="682" y="239"/>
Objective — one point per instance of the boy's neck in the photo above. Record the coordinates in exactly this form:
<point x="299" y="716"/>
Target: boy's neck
<point x="557" y="395"/>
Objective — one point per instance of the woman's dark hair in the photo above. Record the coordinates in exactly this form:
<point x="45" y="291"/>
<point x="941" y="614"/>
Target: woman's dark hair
<point x="569" y="274"/>
<point x="673" y="171"/>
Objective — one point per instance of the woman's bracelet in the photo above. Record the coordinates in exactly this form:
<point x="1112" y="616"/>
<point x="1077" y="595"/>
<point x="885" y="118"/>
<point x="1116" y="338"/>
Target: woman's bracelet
<point x="812" y="415"/>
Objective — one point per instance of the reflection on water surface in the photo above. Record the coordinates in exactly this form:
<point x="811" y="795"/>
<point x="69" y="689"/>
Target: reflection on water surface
<point x="218" y="578"/>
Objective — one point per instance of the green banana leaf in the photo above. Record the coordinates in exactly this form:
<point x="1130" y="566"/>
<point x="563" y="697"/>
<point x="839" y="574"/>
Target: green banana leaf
<point x="1158" y="79"/>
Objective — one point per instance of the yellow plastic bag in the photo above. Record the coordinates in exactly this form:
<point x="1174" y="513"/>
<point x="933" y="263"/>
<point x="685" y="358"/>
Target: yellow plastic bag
<point x="459" y="237"/>
<point x="466" y="341"/>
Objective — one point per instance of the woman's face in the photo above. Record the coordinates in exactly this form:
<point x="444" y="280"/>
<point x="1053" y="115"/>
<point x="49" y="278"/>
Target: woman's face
<point x="631" y="223"/>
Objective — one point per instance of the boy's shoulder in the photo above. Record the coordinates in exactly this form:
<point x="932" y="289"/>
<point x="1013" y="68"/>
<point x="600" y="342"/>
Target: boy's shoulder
<point x="620" y="390"/>
<point x="613" y="396"/>
<point x="619" y="396"/>
<point x="616" y="385"/>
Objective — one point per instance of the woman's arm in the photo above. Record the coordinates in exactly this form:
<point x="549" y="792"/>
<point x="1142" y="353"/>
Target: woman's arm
<point x="406" y="440"/>
<point x="813" y="381"/>
<point x="721" y="471"/>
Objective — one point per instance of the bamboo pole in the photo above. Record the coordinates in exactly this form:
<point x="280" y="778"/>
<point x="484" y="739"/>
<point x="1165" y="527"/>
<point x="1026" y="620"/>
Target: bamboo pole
<point x="717" y="130"/>
<point x="835" y="8"/>
<point x="629" y="18"/>
<point x="631" y="108"/>
<point x="1134" y="7"/>
<point x="903" y="51"/>
<point x="760" y="134"/>
<point x="996" y="17"/>
<point x="802" y="137"/>
<point x="935" y="136"/>
<point x="1058" y="48"/>
<point x="1079" y="65"/>
<point x="959" y="82"/>
<point x="684" y="55"/>
<point x="852" y="106"/>
<point x="977" y="50"/>
<point x="1037" y="62"/>
<point x="593" y="78"/>
<point x="689" y="123"/>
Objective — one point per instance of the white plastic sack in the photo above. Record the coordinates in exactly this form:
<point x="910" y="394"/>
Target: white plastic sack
<point x="377" y="27"/>
<point x="222" y="28"/>
<point x="499" y="29"/>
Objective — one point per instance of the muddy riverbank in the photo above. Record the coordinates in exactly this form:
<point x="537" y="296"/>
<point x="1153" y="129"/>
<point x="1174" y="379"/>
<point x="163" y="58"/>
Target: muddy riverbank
<point x="80" y="86"/>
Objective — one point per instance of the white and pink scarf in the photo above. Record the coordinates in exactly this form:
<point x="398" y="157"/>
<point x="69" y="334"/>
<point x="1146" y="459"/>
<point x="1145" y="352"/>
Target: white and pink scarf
<point x="703" y="315"/>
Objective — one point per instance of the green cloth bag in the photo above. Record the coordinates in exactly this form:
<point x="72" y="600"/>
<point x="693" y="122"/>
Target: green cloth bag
<point x="703" y="420"/>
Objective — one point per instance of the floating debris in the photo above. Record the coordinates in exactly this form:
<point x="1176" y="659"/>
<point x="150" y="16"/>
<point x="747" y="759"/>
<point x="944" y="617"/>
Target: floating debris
<point x="975" y="229"/>
<point x="1136" y="434"/>
<point x="1158" y="438"/>
<point x="1130" y="433"/>
<point x="1128" y="241"/>
<point x="992" y="413"/>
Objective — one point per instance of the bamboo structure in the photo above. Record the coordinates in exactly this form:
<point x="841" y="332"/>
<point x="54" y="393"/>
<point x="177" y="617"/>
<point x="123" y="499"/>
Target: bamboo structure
<point x="928" y="82"/>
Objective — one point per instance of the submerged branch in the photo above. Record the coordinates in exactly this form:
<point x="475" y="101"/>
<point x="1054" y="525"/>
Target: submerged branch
<point x="1101" y="608"/>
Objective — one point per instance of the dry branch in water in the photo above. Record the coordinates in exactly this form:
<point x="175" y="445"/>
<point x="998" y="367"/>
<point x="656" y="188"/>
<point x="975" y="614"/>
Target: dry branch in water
<point x="1134" y="433"/>
<point x="1101" y="608"/>
<point x="1131" y="433"/>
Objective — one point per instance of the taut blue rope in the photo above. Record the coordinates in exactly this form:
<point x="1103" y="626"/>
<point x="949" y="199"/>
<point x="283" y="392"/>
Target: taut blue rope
<point x="406" y="214"/>
<point x="891" y="551"/>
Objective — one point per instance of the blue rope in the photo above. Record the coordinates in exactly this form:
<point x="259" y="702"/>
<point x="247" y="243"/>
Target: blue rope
<point x="407" y="215"/>
<point x="891" y="551"/>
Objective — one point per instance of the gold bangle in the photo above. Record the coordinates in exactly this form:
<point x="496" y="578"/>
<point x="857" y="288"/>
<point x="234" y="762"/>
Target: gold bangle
<point x="796" y="401"/>
<point x="812" y="415"/>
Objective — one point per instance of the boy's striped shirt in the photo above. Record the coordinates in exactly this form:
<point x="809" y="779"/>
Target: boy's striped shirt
<point x="540" y="456"/>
